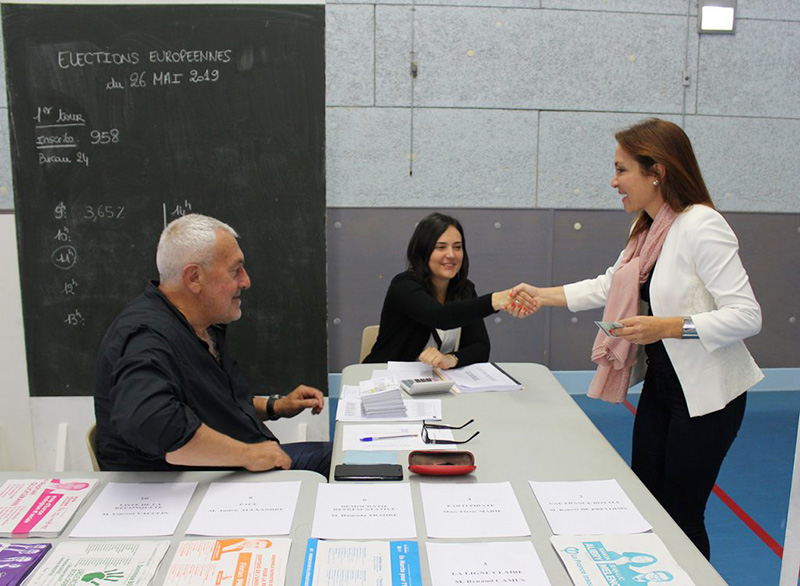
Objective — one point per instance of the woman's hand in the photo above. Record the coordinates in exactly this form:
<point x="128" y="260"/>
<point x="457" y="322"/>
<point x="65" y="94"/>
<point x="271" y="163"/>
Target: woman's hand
<point x="521" y="308"/>
<point x="436" y="359"/>
<point x="524" y="301"/>
<point x="646" y="329"/>
<point x="530" y="299"/>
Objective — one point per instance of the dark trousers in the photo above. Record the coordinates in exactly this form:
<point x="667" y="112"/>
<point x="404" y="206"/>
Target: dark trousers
<point x="678" y="457"/>
<point x="314" y="456"/>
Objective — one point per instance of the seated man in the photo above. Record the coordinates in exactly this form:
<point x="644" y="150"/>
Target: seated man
<point x="167" y="393"/>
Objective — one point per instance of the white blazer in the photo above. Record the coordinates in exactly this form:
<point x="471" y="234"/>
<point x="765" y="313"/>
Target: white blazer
<point x="698" y="274"/>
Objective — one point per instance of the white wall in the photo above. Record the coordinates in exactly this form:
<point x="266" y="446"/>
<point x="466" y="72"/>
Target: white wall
<point x="16" y="430"/>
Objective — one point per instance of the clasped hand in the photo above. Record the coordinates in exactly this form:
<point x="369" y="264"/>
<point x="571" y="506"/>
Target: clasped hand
<point x="520" y="301"/>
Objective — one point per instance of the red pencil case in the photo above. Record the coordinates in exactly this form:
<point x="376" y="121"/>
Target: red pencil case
<point x="441" y="463"/>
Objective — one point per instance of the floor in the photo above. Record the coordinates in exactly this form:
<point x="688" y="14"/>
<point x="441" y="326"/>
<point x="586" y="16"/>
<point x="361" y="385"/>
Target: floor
<point x="746" y="516"/>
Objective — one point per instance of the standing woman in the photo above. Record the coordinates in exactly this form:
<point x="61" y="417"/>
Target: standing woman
<point x="431" y="311"/>
<point x="682" y="258"/>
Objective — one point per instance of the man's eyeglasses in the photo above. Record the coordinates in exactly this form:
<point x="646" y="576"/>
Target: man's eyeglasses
<point x="430" y="440"/>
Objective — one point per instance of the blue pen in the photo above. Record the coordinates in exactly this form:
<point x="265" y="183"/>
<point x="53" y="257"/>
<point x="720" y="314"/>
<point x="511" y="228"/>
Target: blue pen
<point x="380" y="437"/>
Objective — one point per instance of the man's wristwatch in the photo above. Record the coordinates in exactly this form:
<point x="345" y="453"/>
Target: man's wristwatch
<point x="271" y="406"/>
<point x="689" y="329"/>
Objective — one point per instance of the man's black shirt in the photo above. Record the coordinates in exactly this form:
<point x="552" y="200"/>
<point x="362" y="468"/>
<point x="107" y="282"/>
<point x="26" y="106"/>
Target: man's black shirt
<point x="156" y="382"/>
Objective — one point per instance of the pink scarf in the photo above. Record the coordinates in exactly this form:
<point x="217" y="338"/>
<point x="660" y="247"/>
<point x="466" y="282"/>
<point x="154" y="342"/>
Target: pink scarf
<point x="615" y="357"/>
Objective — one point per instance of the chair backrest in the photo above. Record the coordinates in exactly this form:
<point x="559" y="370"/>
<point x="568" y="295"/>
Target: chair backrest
<point x="91" y="445"/>
<point x="790" y="561"/>
<point x="368" y="337"/>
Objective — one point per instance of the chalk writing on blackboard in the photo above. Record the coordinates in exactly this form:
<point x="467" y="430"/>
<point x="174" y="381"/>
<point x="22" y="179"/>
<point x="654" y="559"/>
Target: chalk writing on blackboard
<point x="124" y="118"/>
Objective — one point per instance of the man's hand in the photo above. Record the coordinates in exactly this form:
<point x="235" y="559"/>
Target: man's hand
<point x="266" y="456"/>
<point x="436" y="359"/>
<point x="300" y="399"/>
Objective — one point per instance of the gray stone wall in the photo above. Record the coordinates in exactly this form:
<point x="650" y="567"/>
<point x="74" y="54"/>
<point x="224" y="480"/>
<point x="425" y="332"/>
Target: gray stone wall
<point x="515" y="102"/>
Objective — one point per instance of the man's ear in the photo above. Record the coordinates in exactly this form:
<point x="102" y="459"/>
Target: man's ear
<point x="191" y="275"/>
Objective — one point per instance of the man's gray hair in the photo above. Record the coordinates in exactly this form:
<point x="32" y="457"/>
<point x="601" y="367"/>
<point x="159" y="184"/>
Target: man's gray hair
<point x="187" y="240"/>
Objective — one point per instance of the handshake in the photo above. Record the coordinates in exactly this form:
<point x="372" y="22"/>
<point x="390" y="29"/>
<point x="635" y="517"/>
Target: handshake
<point x="520" y="301"/>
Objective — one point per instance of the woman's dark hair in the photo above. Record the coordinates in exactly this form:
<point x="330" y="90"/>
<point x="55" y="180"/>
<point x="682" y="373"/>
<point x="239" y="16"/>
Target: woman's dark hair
<point x="654" y="141"/>
<point x="421" y="245"/>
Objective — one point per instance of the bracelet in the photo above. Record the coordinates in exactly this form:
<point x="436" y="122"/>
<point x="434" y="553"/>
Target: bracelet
<point x="271" y="407"/>
<point x="689" y="331"/>
<point x="455" y="357"/>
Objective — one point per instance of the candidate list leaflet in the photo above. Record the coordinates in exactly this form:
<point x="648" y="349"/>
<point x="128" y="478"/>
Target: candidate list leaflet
<point x="251" y="561"/>
<point x="132" y="563"/>
<point x="618" y="560"/>
<point x="41" y="507"/>
<point x="367" y="563"/>
<point x="17" y="560"/>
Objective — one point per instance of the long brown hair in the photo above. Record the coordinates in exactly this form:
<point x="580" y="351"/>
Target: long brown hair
<point x="655" y="141"/>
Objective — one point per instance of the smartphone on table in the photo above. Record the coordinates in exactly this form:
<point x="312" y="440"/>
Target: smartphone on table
<point x="368" y="472"/>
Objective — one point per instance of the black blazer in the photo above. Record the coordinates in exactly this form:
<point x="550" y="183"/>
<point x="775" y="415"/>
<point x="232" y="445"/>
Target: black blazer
<point x="410" y="314"/>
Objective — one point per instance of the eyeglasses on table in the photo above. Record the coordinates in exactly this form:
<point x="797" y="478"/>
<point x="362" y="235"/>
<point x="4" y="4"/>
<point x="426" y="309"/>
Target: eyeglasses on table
<point x="431" y="440"/>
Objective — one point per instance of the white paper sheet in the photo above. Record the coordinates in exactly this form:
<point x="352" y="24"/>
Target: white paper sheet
<point x="349" y="392"/>
<point x="416" y="410"/>
<point x="487" y="563"/>
<point x="600" y="560"/>
<point x="364" y="511"/>
<point x="472" y="510"/>
<point x="588" y="506"/>
<point x="136" y="510"/>
<point x="239" y="561"/>
<point x="406" y="370"/>
<point x="246" y="508"/>
<point x="480" y="377"/>
<point x="352" y="434"/>
<point x="417" y="368"/>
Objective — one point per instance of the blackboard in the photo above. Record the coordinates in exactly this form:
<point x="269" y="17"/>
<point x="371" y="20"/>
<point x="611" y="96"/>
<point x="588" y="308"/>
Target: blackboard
<point x="124" y="117"/>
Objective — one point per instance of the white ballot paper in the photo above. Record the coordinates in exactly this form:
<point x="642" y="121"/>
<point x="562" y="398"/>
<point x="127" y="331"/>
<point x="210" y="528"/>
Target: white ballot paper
<point x="234" y="562"/>
<point x="101" y="563"/>
<point x="136" y="510"/>
<point x="364" y="511"/>
<point x="486" y="563"/>
<point x="472" y="510"/>
<point x="392" y="437"/>
<point x="588" y="506"/>
<point x="415" y="369"/>
<point x="416" y="410"/>
<point x="619" y="560"/>
<point x="246" y="508"/>
<point x="479" y="378"/>
<point x="362" y="563"/>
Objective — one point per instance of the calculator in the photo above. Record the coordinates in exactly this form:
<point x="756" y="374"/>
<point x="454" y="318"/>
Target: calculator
<point x="422" y="386"/>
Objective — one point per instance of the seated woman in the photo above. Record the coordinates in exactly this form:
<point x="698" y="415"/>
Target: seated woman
<point x="431" y="311"/>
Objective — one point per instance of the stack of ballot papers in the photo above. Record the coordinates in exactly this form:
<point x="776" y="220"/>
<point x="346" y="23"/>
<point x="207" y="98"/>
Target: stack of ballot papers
<point x="338" y="563"/>
<point x="132" y="563"/>
<point x="382" y="397"/>
<point x="18" y="560"/>
<point x="600" y="560"/>
<point x="237" y="562"/>
<point x="40" y="507"/>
